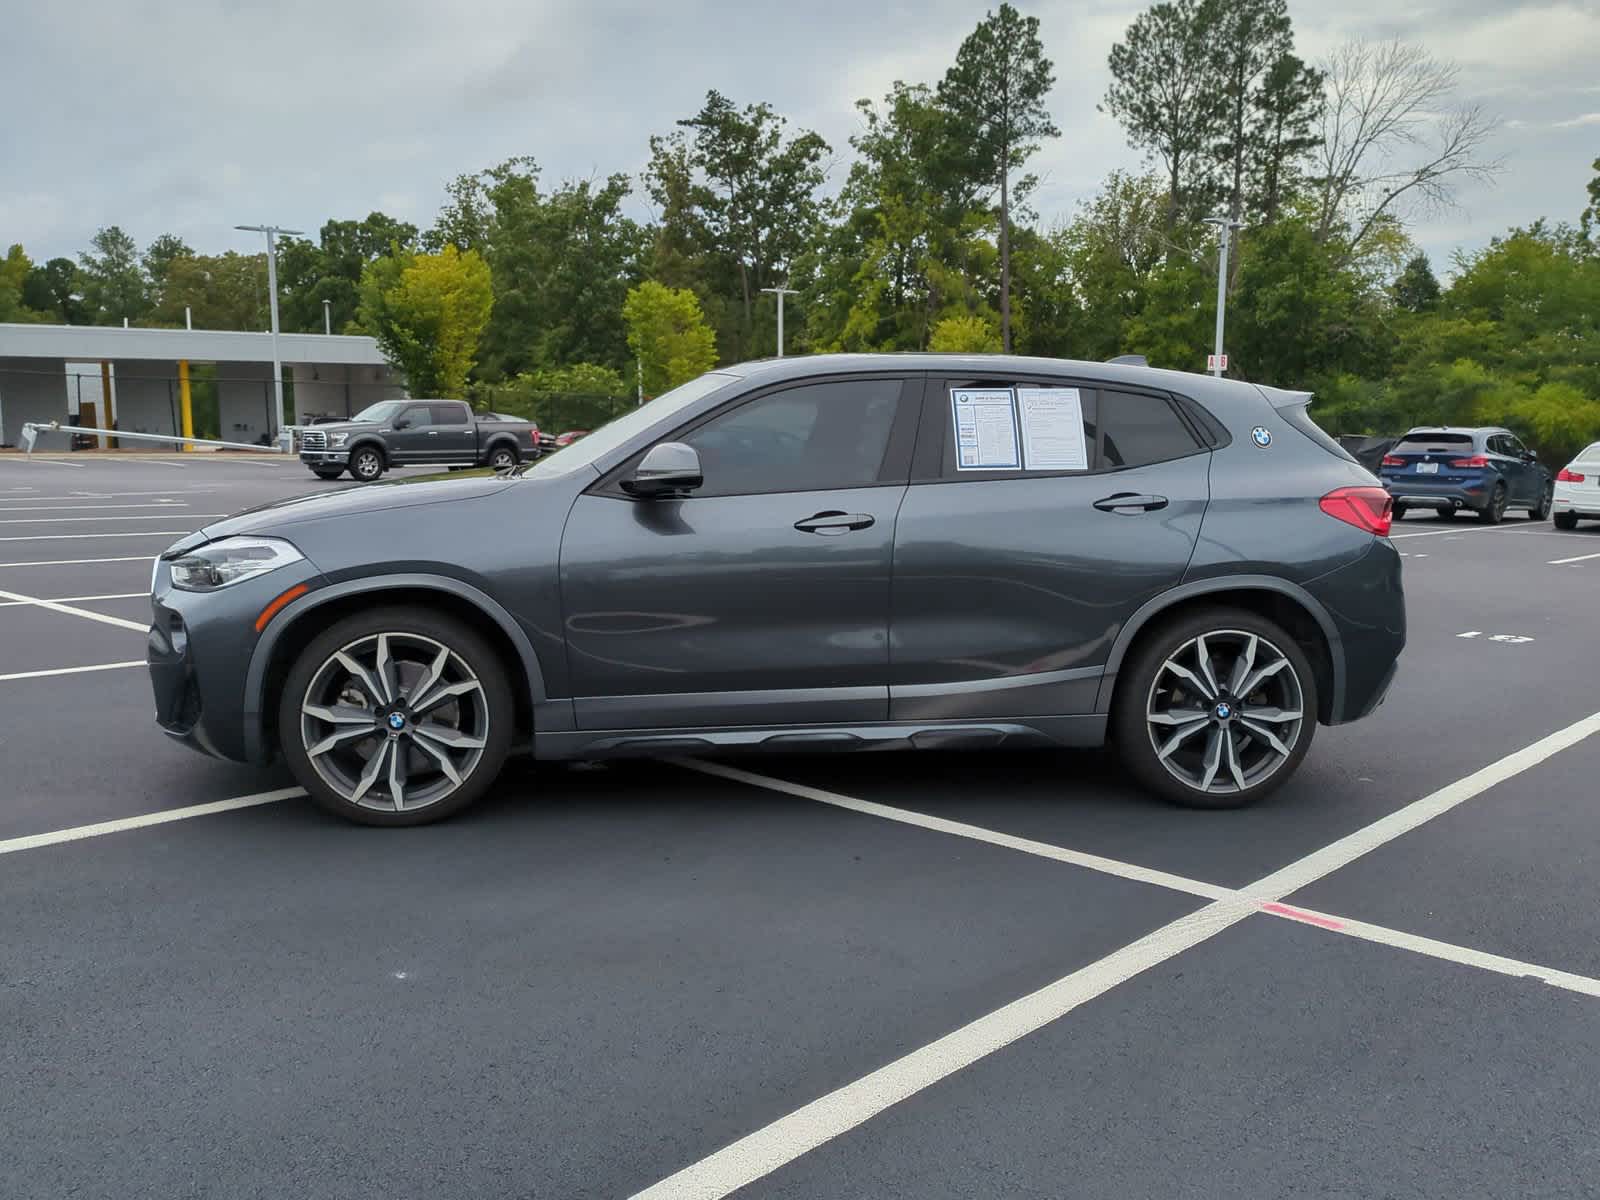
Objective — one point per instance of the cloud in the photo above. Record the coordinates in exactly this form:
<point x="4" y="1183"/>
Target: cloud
<point x="1582" y="119"/>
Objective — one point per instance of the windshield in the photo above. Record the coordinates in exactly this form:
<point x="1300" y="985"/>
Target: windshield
<point x="609" y="436"/>
<point x="381" y="411"/>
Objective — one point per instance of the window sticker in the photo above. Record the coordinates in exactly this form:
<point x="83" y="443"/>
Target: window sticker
<point x="986" y="429"/>
<point x="1053" y="437"/>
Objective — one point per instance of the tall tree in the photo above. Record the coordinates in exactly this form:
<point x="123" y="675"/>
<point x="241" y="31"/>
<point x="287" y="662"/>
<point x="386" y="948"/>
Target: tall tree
<point x="669" y="335"/>
<point x="1391" y="136"/>
<point x="751" y="200"/>
<point x="114" y="284"/>
<point x="158" y="259"/>
<point x="225" y="291"/>
<point x="1417" y="289"/>
<point x="1163" y="91"/>
<point x="428" y="312"/>
<point x="15" y="268"/>
<point x="1288" y="107"/>
<point x="995" y="94"/>
<point x="1591" y="214"/>
<point x="53" y="289"/>
<point x="1249" y="38"/>
<point x="330" y="269"/>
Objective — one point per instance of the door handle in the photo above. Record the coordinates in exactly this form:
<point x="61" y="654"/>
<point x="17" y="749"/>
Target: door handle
<point x="832" y="523"/>
<point x="1127" y="502"/>
<point x="433" y="433"/>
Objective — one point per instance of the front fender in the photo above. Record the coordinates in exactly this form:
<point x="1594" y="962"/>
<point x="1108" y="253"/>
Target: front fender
<point x="255" y="743"/>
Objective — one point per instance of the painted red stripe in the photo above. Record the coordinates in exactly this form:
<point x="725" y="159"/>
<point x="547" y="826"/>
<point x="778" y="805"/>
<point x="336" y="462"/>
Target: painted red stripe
<point x="1300" y="914"/>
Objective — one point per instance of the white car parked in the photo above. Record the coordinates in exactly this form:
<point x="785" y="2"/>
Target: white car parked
<point x="1577" y="491"/>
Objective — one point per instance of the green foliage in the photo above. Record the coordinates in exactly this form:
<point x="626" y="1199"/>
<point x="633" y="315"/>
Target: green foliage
<point x="158" y="260"/>
<point x="1417" y="289"/>
<point x="994" y="96"/>
<point x="669" y="335"/>
<point x="579" y="396"/>
<point x="428" y="312"/>
<point x="330" y="269"/>
<point x="52" y="290"/>
<point x="113" y="279"/>
<point x="226" y="291"/>
<point x="15" y="268"/>
<point x="965" y="335"/>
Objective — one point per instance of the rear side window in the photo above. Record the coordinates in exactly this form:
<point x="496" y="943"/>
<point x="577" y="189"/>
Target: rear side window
<point x="1137" y="429"/>
<point x="449" y="414"/>
<point x="1423" y="443"/>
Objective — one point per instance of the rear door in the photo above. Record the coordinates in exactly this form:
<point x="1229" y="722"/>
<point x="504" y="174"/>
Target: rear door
<point x="408" y="438"/>
<point x="1020" y="553"/>
<point x="453" y="437"/>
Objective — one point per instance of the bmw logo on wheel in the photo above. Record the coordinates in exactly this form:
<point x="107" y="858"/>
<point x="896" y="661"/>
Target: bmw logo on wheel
<point x="1224" y="711"/>
<point x="1262" y="436"/>
<point x="397" y="722"/>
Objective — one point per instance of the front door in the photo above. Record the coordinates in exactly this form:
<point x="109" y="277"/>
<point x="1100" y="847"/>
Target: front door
<point x="1029" y="537"/>
<point x="762" y="598"/>
<point x="408" y="438"/>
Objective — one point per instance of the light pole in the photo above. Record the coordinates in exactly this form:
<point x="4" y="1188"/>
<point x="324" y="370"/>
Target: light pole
<point x="781" y="292"/>
<point x="272" y="232"/>
<point x="327" y="317"/>
<point x="1225" y="227"/>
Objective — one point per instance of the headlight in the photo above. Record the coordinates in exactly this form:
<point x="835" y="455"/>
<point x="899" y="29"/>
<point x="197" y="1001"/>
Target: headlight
<point x="229" y="561"/>
<point x="338" y="439"/>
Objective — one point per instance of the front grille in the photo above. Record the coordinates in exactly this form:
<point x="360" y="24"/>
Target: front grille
<point x="313" y="439"/>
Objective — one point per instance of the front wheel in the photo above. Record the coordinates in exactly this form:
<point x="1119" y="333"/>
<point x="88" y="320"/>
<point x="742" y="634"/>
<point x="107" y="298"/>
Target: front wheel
<point x="366" y="464"/>
<point x="1215" y="710"/>
<point x="1546" y="498"/>
<point x="1495" y="511"/>
<point x="323" y="473"/>
<point x="1566" y="520"/>
<point x="396" y="717"/>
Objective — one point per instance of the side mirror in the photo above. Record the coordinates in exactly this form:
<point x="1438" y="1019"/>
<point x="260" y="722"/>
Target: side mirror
<point x="667" y="468"/>
<point x="401" y="423"/>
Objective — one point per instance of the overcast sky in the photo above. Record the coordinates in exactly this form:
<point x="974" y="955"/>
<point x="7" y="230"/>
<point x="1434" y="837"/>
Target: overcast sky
<point x="191" y="116"/>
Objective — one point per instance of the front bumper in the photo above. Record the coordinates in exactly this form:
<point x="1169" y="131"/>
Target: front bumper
<point x="198" y="653"/>
<point x="325" y="458"/>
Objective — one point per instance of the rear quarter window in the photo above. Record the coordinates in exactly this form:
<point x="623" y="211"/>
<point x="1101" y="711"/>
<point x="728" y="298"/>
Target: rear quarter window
<point x="1299" y="416"/>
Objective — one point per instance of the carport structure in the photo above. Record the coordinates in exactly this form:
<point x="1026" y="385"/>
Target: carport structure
<point x="138" y="380"/>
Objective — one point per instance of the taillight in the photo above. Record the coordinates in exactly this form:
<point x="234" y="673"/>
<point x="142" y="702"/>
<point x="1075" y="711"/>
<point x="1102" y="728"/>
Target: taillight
<point x="1477" y="460"/>
<point x="1566" y="476"/>
<point x="1391" y="460"/>
<point x="1367" y="508"/>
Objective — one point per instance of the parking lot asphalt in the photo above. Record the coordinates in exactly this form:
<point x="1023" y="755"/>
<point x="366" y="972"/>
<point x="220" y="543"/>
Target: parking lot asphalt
<point x="878" y="975"/>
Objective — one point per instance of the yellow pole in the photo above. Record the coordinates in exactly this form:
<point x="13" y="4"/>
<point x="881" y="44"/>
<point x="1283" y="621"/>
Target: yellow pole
<point x="184" y="405"/>
<point x="105" y="398"/>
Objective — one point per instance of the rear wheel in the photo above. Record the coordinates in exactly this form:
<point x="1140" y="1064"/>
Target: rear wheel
<point x="1541" y="510"/>
<point x="1565" y="520"/>
<point x="1495" y="511"/>
<point x="396" y="717"/>
<point x="503" y="458"/>
<point x="1398" y="511"/>
<point x="1446" y="513"/>
<point x="1215" y="710"/>
<point x="366" y="464"/>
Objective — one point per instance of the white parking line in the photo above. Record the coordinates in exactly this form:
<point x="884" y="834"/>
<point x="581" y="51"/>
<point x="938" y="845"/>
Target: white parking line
<point x="80" y="599"/>
<point x="154" y="462"/>
<point x="1556" y="562"/>
<point x="116" y="666"/>
<point x="79" y="562"/>
<point x="32" y="460"/>
<point x="34" y="841"/>
<point x="68" y="537"/>
<point x="155" y="516"/>
<point x="1458" y="529"/>
<point x="168" y="505"/>
<point x="88" y="495"/>
<point x="759" y="1153"/>
<point x="68" y="610"/>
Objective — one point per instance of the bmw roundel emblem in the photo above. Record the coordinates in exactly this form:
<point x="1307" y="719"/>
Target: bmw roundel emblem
<point x="397" y="722"/>
<point x="1224" y="711"/>
<point x="1261" y="436"/>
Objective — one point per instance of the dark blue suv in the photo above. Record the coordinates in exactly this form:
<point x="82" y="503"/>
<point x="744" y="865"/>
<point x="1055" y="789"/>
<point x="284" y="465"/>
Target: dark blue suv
<point x="1485" y="470"/>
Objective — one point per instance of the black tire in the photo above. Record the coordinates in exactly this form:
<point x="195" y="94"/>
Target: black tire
<point x="1446" y="514"/>
<point x="367" y="464"/>
<point x="1398" y="511"/>
<point x="1495" y="511"/>
<point x="1146" y="685"/>
<point x="1546" y="498"/>
<point x="1566" y="520"/>
<point x="483" y="715"/>
<point x="503" y="457"/>
<point x="327" y="475"/>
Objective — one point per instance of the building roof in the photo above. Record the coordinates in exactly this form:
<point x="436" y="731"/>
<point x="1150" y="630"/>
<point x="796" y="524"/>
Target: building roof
<point x="95" y="342"/>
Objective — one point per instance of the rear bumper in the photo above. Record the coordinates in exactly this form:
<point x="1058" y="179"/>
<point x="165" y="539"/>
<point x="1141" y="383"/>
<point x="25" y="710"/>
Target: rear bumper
<point x="1424" y="495"/>
<point x="1578" y="498"/>
<point x="1366" y="602"/>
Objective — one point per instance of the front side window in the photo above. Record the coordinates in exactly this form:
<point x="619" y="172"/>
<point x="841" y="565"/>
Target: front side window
<point x="817" y="437"/>
<point x="417" y="417"/>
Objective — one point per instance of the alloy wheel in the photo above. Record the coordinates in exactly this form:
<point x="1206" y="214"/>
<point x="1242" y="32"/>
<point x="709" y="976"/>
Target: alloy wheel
<point x="1224" y="711"/>
<point x="501" y="459"/>
<point x="394" y="721"/>
<point x="367" y="465"/>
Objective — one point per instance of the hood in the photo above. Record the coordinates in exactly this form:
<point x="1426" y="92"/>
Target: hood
<point x="350" y="501"/>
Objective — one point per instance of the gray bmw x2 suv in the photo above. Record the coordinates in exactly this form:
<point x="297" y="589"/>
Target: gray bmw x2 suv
<point x="831" y="553"/>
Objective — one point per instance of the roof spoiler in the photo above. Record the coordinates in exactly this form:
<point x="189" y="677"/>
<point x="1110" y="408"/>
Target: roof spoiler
<point x="1282" y="398"/>
<point x="1129" y="360"/>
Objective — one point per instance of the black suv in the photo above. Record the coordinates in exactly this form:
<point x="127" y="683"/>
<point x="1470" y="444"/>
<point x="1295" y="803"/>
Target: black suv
<point x="831" y="553"/>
